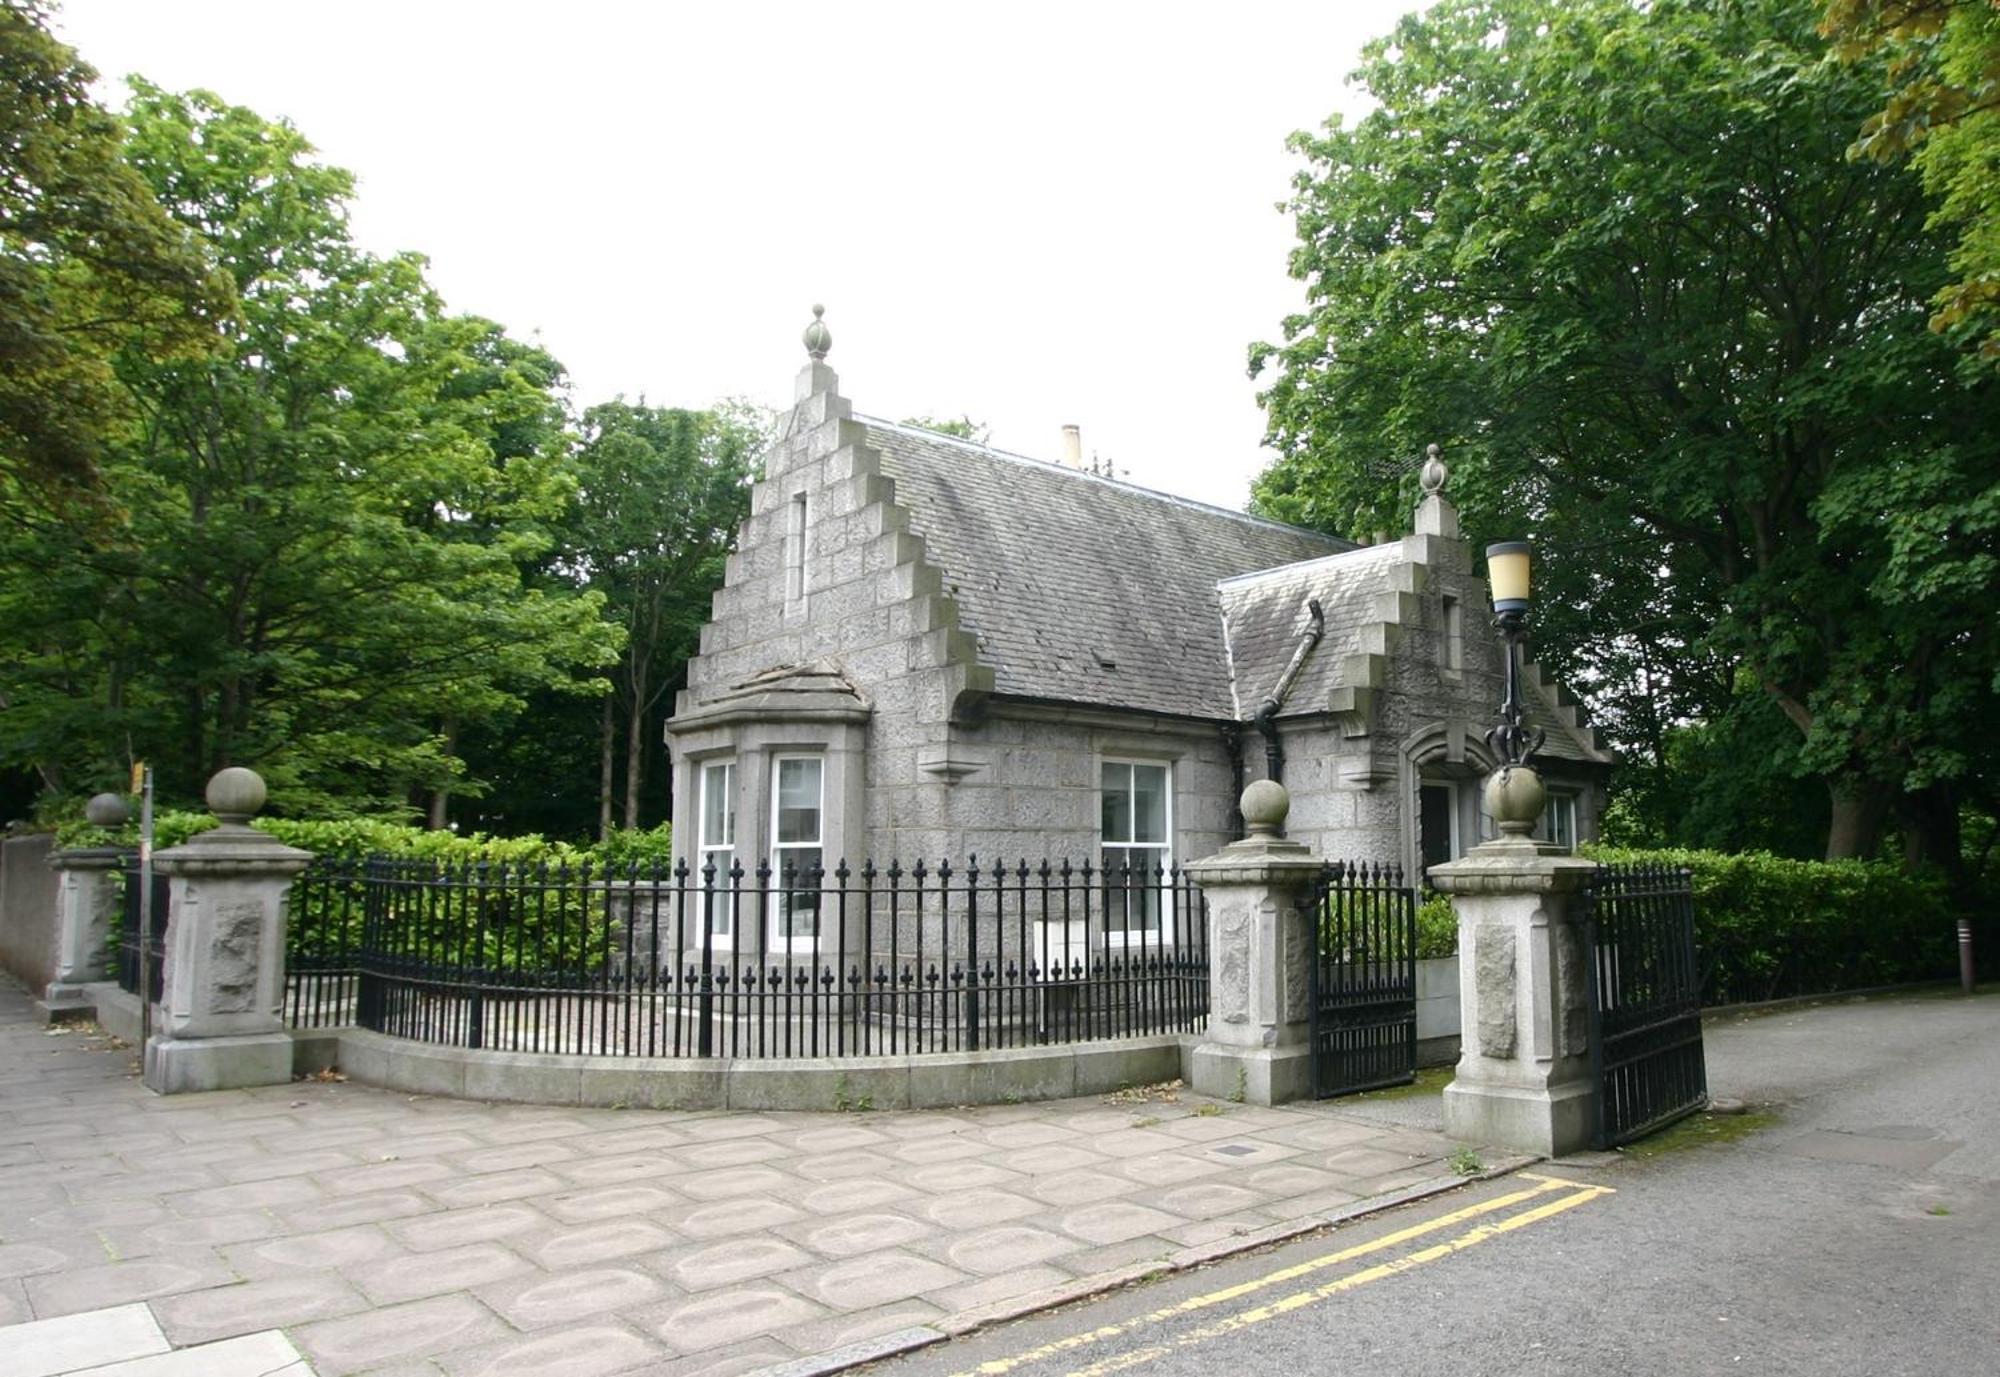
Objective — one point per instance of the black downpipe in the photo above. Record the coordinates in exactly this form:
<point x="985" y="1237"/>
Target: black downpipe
<point x="1274" y="750"/>
<point x="1232" y="742"/>
<point x="1267" y="711"/>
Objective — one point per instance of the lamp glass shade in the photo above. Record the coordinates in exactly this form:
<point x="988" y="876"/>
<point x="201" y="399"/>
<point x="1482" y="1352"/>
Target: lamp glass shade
<point x="1507" y="570"/>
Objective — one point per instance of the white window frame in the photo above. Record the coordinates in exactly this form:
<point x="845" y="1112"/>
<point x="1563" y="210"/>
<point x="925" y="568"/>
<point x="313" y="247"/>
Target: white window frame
<point x="777" y="937"/>
<point x="1545" y="826"/>
<point x="723" y="900"/>
<point x="1155" y="933"/>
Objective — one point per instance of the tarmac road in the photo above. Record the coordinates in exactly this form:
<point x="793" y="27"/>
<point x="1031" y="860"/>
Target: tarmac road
<point x="1858" y="1231"/>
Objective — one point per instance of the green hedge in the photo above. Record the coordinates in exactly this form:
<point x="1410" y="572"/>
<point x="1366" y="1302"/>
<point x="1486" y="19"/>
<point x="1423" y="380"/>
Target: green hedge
<point x="1769" y="927"/>
<point x="355" y="838"/>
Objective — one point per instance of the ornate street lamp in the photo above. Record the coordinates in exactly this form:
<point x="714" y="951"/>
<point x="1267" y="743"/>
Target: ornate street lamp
<point x="1514" y="791"/>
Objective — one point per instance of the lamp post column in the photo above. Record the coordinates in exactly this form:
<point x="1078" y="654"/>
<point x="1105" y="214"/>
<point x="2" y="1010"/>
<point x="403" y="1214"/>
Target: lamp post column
<point x="1523" y="1080"/>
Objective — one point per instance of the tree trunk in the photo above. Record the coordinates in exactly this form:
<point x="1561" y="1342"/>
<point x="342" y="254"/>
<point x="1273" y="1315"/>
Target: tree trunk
<point x="434" y="817"/>
<point x="635" y="742"/>
<point x="604" y="762"/>
<point x="1856" y="826"/>
<point x="1933" y="836"/>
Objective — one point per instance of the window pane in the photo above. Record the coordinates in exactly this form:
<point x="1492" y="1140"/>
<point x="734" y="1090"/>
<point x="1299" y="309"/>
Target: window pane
<point x="798" y="802"/>
<point x="720" y="899"/>
<point x="1115" y="790"/>
<point x="1149" y="803"/>
<point x="796" y="913"/>
<point x="1131" y="903"/>
<point x="718" y="805"/>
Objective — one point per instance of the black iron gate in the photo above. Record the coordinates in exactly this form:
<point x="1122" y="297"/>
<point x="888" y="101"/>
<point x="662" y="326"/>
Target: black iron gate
<point x="1364" y="980"/>
<point x="1645" y="999"/>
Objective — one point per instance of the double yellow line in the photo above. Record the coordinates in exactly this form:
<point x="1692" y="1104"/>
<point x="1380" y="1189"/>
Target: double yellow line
<point x="1575" y="1193"/>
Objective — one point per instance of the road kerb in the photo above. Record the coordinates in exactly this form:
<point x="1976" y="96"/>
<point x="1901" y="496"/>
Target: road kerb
<point x="1083" y="1288"/>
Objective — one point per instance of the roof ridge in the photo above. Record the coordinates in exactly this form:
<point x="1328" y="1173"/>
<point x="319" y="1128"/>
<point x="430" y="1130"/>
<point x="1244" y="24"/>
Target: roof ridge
<point x="1384" y="549"/>
<point x="1175" y="498"/>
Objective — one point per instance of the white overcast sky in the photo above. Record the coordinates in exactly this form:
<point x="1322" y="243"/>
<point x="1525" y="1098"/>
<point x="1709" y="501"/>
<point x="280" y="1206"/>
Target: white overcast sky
<point x="1027" y="213"/>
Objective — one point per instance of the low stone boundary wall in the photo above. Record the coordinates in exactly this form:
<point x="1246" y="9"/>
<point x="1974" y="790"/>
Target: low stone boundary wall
<point x="933" y="1081"/>
<point x="937" y="1080"/>
<point x="1437" y="1011"/>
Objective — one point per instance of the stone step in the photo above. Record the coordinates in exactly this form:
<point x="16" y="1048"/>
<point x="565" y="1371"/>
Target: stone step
<point x="74" y="1343"/>
<point x="127" y="1341"/>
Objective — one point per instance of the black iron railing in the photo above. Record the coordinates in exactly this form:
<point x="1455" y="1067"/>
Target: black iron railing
<point x="1645" y="999"/>
<point x="669" y="962"/>
<point x="127" y="955"/>
<point x="323" y="925"/>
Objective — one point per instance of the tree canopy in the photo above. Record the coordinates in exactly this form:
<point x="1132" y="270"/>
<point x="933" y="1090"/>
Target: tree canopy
<point x="1943" y="110"/>
<point x="91" y="265"/>
<point x="1614" y="259"/>
<point x="333" y="530"/>
<point x="315" y="560"/>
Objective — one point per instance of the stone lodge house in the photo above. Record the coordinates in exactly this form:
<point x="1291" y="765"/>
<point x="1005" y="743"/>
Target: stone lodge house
<point x="929" y="649"/>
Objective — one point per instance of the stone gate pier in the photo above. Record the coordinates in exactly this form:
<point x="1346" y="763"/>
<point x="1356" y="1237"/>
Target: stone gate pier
<point x="222" y="1003"/>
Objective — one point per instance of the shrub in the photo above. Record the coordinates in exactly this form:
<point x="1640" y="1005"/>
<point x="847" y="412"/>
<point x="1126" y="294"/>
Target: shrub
<point x="1769" y="927"/>
<point x="1437" y="927"/>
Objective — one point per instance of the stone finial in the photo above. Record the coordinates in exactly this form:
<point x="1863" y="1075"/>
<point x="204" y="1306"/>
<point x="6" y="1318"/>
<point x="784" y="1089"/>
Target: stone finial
<point x="1265" y="805"/>
<point x="1514" y="797"/>
<point x="235" y="794"/>
<point x="106" y="810"/>
<point x="1434" y="473"/>
<point x="818" y="338"/>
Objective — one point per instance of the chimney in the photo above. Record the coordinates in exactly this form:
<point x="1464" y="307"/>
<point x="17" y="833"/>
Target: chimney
<point x="1072" y="447"/>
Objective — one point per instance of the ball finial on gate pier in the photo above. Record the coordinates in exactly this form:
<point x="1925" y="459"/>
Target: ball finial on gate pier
<point x="106" y="810"/>
<point x="1514" y="797"/>
<point x="235" y="794"/>
<point x="1265" y="805"/>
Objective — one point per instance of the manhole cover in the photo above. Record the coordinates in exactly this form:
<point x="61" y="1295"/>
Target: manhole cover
<point x="1235" y="1149"/>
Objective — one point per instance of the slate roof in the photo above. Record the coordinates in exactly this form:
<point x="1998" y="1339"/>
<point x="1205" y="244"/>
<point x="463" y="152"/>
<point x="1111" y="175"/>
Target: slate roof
<point x="1106" y="595"/>
<point x="1265" y="616"/>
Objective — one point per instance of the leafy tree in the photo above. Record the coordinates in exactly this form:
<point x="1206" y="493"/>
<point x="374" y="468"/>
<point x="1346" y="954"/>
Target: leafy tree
<point x="318" y="560"/>
<point x="90" y="265"/>
<point x="1613" y="258"/>
<point x="661" y="492"/>
<point x="1943" y="111"/>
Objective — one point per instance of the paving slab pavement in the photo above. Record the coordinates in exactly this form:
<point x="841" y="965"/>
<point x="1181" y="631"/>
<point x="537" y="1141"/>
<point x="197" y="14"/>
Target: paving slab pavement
<point x="388" y="1233"/>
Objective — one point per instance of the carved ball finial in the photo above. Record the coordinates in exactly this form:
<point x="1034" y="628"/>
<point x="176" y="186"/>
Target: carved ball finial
<point x="106" y="810"/>
<point x="1434" y="474"/>
<point x="1265" y="805"/>
<point x="1514" y="797"/>
<point x="235" y="794"/>
<point x="818" y="338"/>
